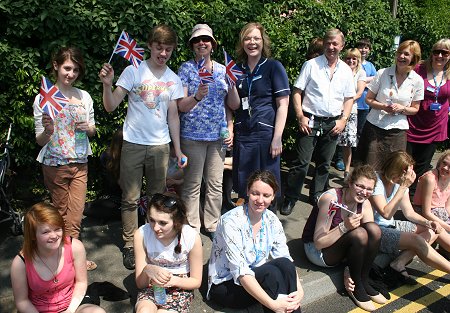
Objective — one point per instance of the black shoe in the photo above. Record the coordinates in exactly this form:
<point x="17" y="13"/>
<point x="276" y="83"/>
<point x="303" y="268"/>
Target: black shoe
<point x="288" y="206"/>
<point x="128" y="258"/>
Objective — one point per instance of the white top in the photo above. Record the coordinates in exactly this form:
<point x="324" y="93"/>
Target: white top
<point x="359" y="75"/>
<point x="165" y="256"/>
<point x="148" y="103"/>
<point x="324" y="97"/>
<point x="381" y="190"/>
<point x="384" y="85"/>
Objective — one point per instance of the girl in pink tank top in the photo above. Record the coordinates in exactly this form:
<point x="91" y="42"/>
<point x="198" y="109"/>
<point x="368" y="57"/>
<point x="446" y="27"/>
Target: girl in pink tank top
<point x="433" y="193"/>
<point x="49" y="274"/>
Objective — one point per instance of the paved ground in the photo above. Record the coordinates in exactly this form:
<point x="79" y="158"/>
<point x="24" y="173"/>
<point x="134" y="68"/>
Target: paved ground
<point x="103" y="242"/>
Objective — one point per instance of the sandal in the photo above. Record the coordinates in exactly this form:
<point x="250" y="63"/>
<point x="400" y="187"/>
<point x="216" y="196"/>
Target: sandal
<point x="90" y="265"/>
<point x="406" y="279"/>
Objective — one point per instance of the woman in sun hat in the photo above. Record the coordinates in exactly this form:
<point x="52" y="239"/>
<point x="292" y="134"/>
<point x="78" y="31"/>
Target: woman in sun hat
<point x="203" y="112"/>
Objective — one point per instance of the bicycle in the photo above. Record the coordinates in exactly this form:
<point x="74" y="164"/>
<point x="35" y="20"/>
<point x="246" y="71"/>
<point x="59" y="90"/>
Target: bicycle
<point x="7" y="212"/>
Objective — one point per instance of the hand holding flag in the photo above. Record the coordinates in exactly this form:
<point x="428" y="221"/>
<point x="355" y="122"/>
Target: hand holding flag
<point x="51" y="100"/>
<point x="205" y="76"/>
<point x="127" y="48"/>
<point x="233" y="71"/>
<point x="332" y="209"/>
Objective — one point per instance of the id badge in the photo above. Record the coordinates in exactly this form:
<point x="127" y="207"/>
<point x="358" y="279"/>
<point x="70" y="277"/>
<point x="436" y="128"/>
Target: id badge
<point x="435" y="106"/>
<point x="430" y="89"/>
<point x="245" y="103"/>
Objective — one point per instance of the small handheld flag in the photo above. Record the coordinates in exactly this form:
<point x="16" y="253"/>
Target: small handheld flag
<point x="205" y="76"/>
<point x="128" y="49"/>
<point x="51" y="100"/>
<point x="233" y="71"/>
<point x="332" y="209"/>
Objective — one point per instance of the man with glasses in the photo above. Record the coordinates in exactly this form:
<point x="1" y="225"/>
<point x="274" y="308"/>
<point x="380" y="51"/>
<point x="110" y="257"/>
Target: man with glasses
<point x="322" y="112"/>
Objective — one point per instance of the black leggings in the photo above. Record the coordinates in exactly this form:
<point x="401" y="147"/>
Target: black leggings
<point x="276" y="277"/>
<point x="359" y="247"/>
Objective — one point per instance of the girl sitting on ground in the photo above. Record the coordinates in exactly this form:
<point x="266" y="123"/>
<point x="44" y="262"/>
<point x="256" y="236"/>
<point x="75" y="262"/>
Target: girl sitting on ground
<point x="168" y="254"/>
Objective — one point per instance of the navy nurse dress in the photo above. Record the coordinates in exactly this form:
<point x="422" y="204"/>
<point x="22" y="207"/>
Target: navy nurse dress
<point x="254" y="127"/>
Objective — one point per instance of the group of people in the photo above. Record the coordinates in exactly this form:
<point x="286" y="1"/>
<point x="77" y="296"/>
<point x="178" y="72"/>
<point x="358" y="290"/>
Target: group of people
<point x="354" y="223"/>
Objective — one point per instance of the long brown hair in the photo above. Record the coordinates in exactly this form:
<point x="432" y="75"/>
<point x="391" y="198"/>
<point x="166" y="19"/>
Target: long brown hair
<point x="170" y="204"/>
<point x="40" y="213"/>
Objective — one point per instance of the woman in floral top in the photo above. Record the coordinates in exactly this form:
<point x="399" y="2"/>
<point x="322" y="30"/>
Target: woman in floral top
<point x="250" y="261"/>
<point x="202" y="117"/>
<point x="65" y="146"/>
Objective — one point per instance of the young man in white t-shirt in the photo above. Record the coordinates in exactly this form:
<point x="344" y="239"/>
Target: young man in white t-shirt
<point x="151" y="123"/>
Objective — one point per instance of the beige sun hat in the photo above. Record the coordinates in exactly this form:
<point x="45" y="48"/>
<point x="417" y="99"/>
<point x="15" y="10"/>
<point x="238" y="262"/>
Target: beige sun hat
<point x="202" y="30"/>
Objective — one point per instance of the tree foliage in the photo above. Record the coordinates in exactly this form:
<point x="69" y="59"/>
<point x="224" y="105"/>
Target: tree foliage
<point x="32" y="30"/>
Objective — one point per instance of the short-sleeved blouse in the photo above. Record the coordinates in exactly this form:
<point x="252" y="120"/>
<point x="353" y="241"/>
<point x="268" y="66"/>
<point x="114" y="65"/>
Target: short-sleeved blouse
<point x="427" y="125"/>
<point x="203" y="121"/>
<point x="384" y="86"/>
<point x="234" y="253"/>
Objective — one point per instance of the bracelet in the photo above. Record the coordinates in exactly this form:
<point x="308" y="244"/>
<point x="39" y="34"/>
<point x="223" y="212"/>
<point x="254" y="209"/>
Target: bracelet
<point x="195" y="98"/>
<point x="344" y="117"/>
<point x="342" y="227"/>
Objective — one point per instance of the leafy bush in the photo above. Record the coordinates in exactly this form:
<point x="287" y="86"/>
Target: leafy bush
<point x="32" y="30"/>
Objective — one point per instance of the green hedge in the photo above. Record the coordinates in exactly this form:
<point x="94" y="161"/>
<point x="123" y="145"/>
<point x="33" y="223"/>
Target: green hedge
<point x="32" y="30"/>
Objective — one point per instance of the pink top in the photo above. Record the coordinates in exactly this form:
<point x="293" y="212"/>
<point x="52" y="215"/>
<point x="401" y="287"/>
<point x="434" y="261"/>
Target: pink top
<point x="428" y="126"/>
<point x="47" y="296"/>
<point x="438" y="198"/>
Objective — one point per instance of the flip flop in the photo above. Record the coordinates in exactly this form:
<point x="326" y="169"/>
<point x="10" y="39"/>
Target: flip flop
<point x="90" y="265"/>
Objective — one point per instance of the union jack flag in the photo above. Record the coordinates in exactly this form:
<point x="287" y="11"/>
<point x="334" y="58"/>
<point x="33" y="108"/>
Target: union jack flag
<point x="233" y="72"/>
<point x="205" y="76"/>
<point x="127" y="48"/>
<point x="51" y="100"/>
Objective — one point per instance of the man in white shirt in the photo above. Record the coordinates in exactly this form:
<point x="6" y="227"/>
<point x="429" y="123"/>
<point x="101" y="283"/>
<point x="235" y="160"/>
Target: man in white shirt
<point x="322" y="112"/>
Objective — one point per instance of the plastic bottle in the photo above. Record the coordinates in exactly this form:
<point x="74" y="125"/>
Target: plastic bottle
<point x="80" y="143"/>
<point x="224" y="134"/>
<point x="160" y="294"/>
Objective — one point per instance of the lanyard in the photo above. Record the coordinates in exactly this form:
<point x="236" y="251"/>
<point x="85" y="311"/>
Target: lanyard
<point x="437" y="87"/>
<point x="258" y="252"/>
<point x="250" y="78"/>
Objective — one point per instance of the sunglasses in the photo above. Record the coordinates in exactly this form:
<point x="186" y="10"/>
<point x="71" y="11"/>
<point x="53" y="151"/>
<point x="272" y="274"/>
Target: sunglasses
<point x="201" y="38"/>
<point x="168" y="201"/>
<point x="444" y="53"/>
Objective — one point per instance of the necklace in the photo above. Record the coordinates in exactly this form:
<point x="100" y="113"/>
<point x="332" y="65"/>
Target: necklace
<point x="55" y="280"/>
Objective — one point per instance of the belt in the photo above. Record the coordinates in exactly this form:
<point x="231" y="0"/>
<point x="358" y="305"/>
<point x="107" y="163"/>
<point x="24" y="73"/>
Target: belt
<point x="321" y="118"/>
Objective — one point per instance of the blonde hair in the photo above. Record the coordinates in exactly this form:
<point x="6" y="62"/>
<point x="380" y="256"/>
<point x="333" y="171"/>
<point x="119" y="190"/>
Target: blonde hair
<point x="333" y="32"/>
<point x="354" y="53"/>
<point x="444" y="44"/>
<point x="414" y="47"/>
<point x="445" y="154"/>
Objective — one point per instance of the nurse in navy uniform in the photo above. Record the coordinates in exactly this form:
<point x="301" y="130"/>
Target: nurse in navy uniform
<point x="260" y="119"/>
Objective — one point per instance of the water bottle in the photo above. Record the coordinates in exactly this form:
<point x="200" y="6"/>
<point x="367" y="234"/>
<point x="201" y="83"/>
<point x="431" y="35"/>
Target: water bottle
<point x="160" y="294"/>
<point x="80" y="143"/>
<point x="224" y="134"/>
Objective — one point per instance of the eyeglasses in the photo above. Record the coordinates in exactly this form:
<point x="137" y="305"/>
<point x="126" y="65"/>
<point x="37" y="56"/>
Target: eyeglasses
<point x="254" y="38"/>
<point x="201" y="38"/>
<point x="360" y="188"/>
<point x="168" y="201"/>
<point x="444" y="53"/>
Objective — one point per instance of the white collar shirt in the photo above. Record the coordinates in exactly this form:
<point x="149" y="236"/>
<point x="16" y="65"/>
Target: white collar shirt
<point x="324" y="97"/>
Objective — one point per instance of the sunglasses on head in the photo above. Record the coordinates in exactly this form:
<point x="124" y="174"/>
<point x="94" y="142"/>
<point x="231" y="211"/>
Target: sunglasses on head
<point x="444" y="53"/>
<point x="201" y="38"/>
<point x="168" y="201"/>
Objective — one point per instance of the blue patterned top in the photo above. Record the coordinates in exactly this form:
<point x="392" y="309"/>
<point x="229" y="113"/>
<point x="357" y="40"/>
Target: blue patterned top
<point x="202" y="122"/>
<point x="234" y="253"/>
